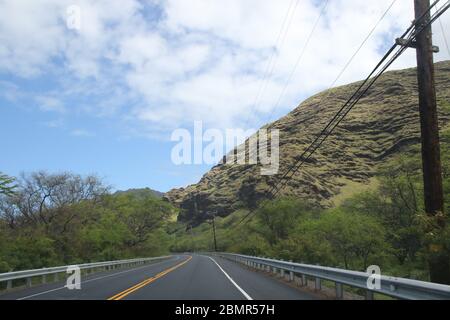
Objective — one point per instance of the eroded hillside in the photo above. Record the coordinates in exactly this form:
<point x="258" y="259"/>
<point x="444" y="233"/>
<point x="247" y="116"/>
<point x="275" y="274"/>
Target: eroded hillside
<point x="381" y="125"/>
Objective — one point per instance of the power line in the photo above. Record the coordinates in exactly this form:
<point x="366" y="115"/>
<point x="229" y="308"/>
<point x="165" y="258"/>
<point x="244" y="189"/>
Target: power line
<point x="363" y="43"/>
<point x="444" y="35"/>
<point x="336" y="117"/>
<point x="272" y="61"/>
<point x="348" y="106"/>
<point x="346" y="66"/>
<point x="354" y="54"/>
<point x="300" y="57"/>
<point x="411" y="34"/>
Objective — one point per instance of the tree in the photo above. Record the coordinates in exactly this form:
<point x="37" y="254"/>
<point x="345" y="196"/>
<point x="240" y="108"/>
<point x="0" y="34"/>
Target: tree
<point x="355" y="238"/>
<point x="278" y="218"/>
<point x="396" y="204"/>
<point x="141" y="215"/>
<point x="40" y="198"/>
<point x="6" y="187"/>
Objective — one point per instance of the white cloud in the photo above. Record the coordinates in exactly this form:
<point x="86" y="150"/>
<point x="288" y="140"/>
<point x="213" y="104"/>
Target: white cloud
<point x="198" y="59"/>
<point x="81" y="133"/>
<point x="58" y="123"/>
<point x="50" y="104"/>
<point x="30" y="35"/>
<point x="9" y="91"/>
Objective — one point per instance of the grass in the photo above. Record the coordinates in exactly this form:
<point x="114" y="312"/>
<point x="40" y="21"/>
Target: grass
<point x="351" y="188"/>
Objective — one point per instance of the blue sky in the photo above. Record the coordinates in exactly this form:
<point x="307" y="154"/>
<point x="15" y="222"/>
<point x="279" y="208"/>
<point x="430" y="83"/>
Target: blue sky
<point x="32" y="145"/>
<point x="105" y="98"/>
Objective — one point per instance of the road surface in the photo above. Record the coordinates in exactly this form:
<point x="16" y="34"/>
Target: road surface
<point x="182" y="277"/>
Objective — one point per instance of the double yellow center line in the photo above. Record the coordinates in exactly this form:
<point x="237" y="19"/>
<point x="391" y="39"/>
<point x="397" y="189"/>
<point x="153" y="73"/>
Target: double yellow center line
<point x="142" y="284"/>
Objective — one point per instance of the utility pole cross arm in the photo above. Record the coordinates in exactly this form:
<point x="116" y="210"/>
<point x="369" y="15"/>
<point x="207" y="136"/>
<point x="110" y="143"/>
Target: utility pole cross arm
<point x="404" y="42"/>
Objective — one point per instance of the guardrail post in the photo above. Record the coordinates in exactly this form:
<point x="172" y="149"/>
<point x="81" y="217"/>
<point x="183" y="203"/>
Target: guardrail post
<point x="339" y="291"/>
<point x="282" y="273"/>
<point x="28" y="282"/>
<point x="44" y="279"/>
<point x="369" y="295"/>
<point x="304" y="281"/>
<point x="291" y="276"/>
<point x="9" y="285"/>
<point x="318" y="284"/>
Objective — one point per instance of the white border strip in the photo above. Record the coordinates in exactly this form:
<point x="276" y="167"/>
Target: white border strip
<point x="232" y="281"/>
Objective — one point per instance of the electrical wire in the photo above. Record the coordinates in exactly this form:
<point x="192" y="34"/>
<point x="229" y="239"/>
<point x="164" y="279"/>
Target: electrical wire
<point x="444" y="35"/>
<point x="411" y="33"/>
<point x="348" y="106"/>
<point x="282" y="34"/>
<point x="300" y="57"/>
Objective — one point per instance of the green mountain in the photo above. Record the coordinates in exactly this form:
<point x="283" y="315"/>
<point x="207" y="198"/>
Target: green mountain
<point x="385" y="122"/>
<point x="142" y="193"/>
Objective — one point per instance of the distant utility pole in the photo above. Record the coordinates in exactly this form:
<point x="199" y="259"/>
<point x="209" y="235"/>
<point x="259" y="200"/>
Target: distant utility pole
<point x="439" y="264"/>
<point x="213" y="223"/>
<point x="192" y="237"/>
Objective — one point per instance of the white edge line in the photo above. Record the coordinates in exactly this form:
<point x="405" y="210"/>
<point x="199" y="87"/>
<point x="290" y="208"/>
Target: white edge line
<point x="95" y="279"/>
<point x="232" y="281"/>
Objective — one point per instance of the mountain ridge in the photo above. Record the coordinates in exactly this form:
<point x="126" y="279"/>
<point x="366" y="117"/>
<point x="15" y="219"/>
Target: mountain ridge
<point x="385" y="122"/>
<point x="141" y="192"/>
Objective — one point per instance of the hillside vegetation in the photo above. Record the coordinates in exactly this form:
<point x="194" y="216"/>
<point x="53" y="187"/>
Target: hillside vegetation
<point x="61" y="219"/>
<point x="359" y="201"/>
<point x="385" y="226"/>
<point x="384" y="124"/>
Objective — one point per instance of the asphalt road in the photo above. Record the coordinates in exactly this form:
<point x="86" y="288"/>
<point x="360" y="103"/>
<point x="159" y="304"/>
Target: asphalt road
<point x="178" y="278"/>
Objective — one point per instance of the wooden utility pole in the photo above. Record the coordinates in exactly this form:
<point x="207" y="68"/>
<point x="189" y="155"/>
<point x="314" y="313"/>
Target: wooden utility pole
<point x="214" y="232"/>
<point x="194" y="249"/>
<point x="439" y="263"/>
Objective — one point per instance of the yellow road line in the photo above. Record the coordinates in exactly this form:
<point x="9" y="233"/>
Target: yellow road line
<point x="142" y="284"/>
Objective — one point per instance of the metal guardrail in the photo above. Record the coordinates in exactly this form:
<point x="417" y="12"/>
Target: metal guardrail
<point x="390" y="286"/>
<point x="9" y="277"/>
